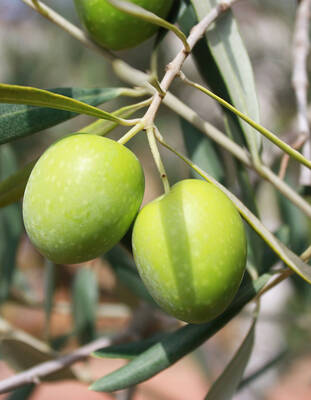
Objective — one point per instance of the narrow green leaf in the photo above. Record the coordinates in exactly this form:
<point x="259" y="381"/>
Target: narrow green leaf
<point x="224" y="64"/>
<point x="226" y="385"/>
<point x="85" y="300"/>
<point x="19" y="120"/>
<point x="21" y="356"/>
<point x="124" y="267"/>
<point x="129" y="350"/>
<point x="175" y="346"/>
<point x="202" y="151"/>
<point x="14" y="94"/>
<point x="12" y="188"/>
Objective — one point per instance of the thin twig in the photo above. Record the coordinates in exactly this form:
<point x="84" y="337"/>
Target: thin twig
<point x="175" y="66"/>
<point x="142" y="318"/>
<point x="157" y="158"/>
<point x="299" y="142"/>
<point x="33" y="375"/>
<point x="300" y="79"/>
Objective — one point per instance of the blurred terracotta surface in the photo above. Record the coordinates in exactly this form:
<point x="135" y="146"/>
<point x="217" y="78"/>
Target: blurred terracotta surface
<point x="294" y="384"/>
<point x="73" y="390"/>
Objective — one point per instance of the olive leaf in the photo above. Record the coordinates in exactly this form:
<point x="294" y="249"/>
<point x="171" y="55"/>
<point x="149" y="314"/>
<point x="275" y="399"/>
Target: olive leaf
<point x="226" y="384"/>
<point x="20" y="120"/>
<point x="224" y="64"/>
<point x="85" y="301"/>
<point x="10" y="227"/>
<point x="14" y="94"/>
<point x="22" y="393"/>
<point x="129" y="350"/>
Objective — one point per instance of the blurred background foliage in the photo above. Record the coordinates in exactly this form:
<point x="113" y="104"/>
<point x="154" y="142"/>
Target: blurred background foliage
<point x="54" y="304"/>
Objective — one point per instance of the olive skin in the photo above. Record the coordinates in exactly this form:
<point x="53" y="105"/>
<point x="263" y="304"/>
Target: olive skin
<point x="190" y="249"/>
<point x="116" y="30"/>
<point x="81" y="198"/>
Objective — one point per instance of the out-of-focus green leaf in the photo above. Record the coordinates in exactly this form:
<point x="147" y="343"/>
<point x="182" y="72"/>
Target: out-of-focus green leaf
<point x="254" y="241"/>
<point x="202" y="151"/>
<point x="175" y="345"/>
<point x="58" y="342"/>
<point x="12" y="187"/>
<point x="226" y="385"/>
<point x="125" y="270"/>
<point x="49" y="287"/>
<point x="299" y="225"/>
<point x="224" y="64"/>
<point x="85" y="301"/>
<point x="21" y="355"/>
<point x="10" y="227"/>
<point x="22" y="393"/>
<point x="269" y="258"/>
<point x="260" y="371"/>
<point x="19" y="120"/>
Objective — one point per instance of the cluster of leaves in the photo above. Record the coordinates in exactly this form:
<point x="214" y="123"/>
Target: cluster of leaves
<point x="224" y="65"/>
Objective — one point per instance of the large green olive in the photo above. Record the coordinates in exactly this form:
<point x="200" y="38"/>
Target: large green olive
<point x="115" y="29"/>
<point x="81" y="197"/>
<point x="190" y="249"/>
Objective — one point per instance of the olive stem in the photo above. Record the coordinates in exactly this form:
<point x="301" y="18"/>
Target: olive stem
<point x="174" y="67"/>
<point x="132" y="132"/>
<point x="157" y="157"/>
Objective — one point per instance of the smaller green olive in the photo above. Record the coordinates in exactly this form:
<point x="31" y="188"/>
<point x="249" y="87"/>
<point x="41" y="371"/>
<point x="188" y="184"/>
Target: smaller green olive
<point x="81" y="197"/>
<point x="117" y="30"/>
<point x="190" y="249"/>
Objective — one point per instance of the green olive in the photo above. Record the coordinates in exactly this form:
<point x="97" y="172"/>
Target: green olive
<point x="190" y="249"/>
<point x="81" y="198"/>
<point x="117" y="30"/>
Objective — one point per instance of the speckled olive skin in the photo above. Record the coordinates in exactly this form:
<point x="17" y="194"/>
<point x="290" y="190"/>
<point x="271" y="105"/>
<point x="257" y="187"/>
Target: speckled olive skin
<point x="115" y="29"/>
<point x="81" y="198"/>
<point x="190" y="249"/>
